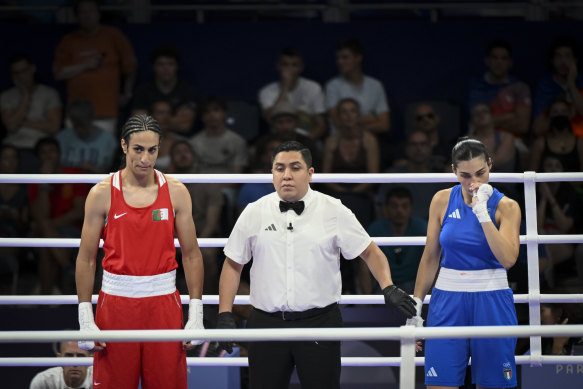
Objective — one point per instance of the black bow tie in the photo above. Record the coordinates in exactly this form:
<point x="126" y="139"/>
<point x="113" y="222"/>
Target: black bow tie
<point x="297" y="206"/>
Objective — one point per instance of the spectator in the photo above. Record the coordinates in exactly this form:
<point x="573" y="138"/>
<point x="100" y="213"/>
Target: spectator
<point x="564" y="82"/>
<point x="84" y="145"/>
<point x="30" y="111"/>
<point x="553" y="314"/>
<point x="162" y="112"/>
<point x="428" y="121"/>
<point x="166" y="86"/>
<point x="352" y="82"/>
<point x="558" y="206"/>
<point x="70" y="377"/>
<point x="352" y="150"/>
<point x="556" y="314"/>
<point x="219" y="149"/>
<point x="499" y="144"/>
<point x="13" y="218"/>
<point x="207" y="203"/>
<point x="559" y="142"/>
<point x="284" y="120"/>
<point x="508" y="97"/>
<point x="305" y="95"/>
<point x="397" y="221"/>
<point x="250" y="192"/>
<point x="93" y="60"/>
<point x="418" y="157"/>
<point x="56" y="212"/>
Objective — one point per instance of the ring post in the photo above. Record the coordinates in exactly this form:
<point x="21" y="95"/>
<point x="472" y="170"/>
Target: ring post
<point x="532" y="263"/>
<point x="407" y="376"/>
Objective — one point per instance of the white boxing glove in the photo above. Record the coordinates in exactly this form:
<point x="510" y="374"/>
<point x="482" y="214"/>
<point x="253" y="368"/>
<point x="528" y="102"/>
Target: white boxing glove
<point x="195" y="318"/>
<point x="87" y="324"/>
<point x="482" y="196"/>
<point x="417" y="320"/>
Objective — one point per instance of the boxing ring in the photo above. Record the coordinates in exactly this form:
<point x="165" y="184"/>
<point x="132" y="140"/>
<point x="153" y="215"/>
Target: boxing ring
<point x="406" y="335"/>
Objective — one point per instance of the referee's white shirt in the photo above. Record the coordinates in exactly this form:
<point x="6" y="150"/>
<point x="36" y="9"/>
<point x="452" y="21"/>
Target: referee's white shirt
<point x="53" y="379"/>
<point x="296" y="258"/>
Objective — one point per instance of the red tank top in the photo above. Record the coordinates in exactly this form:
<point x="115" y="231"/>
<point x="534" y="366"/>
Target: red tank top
<point x="139" y="241"/>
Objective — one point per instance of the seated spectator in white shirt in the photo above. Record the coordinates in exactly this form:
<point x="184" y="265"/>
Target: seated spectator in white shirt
<point x="30" y="111"/>
<point x="352" y="82"/>
<point x="306" y="96"/>
<point x="66" y="377"/>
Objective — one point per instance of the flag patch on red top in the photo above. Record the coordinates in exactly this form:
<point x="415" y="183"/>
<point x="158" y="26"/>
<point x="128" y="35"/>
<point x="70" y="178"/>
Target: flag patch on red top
<point x="160" y="214"/>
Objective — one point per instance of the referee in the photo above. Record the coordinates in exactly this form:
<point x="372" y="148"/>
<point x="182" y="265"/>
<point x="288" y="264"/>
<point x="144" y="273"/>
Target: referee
<point x="295" y="237"/>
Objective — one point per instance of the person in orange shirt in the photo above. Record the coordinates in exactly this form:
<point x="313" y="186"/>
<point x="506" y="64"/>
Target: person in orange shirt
<point x="93" y="60"/>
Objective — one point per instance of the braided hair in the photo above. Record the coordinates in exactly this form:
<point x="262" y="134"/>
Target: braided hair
<point x="138" y="123"/>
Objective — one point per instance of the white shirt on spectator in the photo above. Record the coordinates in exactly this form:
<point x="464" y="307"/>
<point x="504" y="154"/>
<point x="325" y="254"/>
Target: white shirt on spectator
<point x="370" y="95"/>
<point x="297" y="269"/>
<point x="219" y="154"/>
<point x="53" y="378"/>
<point x="307" y="96"/>
<point x="43" y="99"/>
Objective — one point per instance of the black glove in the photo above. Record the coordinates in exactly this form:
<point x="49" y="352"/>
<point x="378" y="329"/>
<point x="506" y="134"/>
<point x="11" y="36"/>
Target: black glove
<point x="398" y="298"/>
<point x="225" y="321"/>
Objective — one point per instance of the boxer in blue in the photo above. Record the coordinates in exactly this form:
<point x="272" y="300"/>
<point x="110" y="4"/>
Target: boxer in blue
<point x="476" y="228"/>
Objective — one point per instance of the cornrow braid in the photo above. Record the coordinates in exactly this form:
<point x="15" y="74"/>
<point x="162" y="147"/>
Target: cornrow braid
<point x="138" y="123"/>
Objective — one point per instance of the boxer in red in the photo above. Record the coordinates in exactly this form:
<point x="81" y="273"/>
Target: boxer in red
<point x="137" y="211"/>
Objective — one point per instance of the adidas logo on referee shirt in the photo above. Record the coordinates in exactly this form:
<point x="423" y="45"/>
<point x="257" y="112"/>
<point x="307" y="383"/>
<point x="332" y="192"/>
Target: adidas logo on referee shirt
<point x="270" y="228"/>
<point x="455" y="214"/>
<point x="431" y="372"/>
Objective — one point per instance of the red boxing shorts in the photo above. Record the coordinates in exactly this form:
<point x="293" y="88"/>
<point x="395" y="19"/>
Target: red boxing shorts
<point x="160" y="365"/>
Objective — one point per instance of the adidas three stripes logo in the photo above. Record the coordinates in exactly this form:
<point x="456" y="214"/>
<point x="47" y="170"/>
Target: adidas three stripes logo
<point x="455" y="214"/>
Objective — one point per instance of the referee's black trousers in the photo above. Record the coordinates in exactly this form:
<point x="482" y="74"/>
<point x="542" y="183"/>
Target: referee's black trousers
<point x="317" y="363"/>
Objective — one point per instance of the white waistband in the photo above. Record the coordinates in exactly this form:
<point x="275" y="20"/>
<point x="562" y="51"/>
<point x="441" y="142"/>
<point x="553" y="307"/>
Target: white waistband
<point x="471" y="280"/>
<point x="138" y="286"/>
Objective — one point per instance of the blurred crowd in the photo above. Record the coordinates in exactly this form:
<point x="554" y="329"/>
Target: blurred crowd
<point x="346" y="123"/>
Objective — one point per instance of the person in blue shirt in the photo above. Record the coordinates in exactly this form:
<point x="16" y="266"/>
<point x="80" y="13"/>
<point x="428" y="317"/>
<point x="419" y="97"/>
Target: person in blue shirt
<point x="398" y="221"/>
<point x="474" y="230"/>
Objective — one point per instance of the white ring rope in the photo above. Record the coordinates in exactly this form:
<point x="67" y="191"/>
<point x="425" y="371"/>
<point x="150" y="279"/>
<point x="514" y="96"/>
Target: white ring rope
<point x="244" y="299"/>
<point x="295" y="334"/>
<point x="406" y="335"/>
<point x="220" y="242"/>
<point x="317" y="178"/>
<point x="243" y="361"/>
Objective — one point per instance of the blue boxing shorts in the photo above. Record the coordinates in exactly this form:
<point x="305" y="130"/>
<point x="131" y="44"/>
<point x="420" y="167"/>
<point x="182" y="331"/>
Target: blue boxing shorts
<point x="493" y="364"/>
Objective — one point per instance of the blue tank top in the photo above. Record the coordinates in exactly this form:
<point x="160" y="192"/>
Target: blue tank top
<point x="462" y="239"/>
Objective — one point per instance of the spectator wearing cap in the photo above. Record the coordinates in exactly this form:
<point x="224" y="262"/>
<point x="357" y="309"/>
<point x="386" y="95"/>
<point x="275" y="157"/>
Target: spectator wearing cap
<point x="284" y="120"/>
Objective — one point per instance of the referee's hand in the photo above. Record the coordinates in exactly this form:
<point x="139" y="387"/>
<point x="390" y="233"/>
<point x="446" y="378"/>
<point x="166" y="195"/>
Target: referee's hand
<point x="225" y="321"/>
<point x="398" y="298"/>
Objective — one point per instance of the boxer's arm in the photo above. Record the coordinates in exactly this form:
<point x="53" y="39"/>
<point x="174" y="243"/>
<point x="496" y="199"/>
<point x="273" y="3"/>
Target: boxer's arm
<point x="93" y="223"/>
